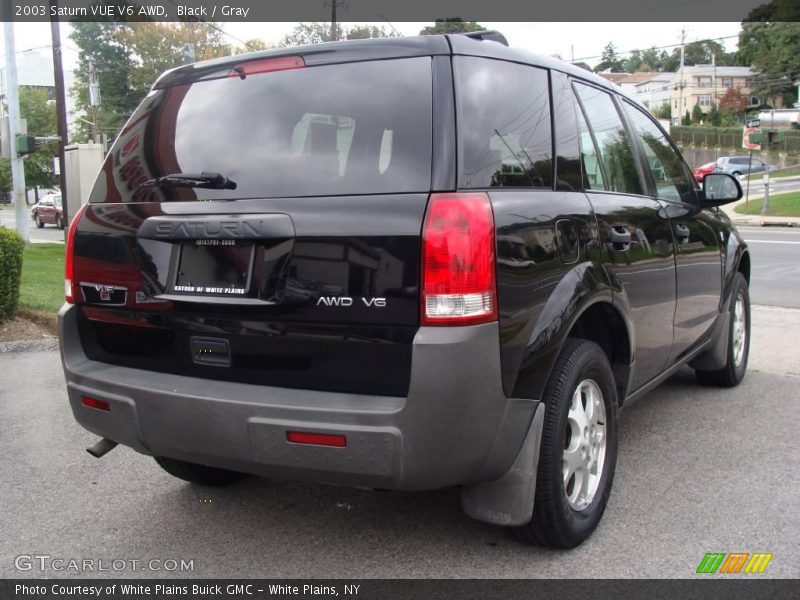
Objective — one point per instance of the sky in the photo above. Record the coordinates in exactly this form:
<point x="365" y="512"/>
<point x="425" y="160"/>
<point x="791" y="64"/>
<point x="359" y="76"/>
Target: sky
<point x="578" y="41"/>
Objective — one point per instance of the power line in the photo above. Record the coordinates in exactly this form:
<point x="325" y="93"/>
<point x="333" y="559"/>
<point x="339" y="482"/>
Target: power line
<point x="726" y="37"/>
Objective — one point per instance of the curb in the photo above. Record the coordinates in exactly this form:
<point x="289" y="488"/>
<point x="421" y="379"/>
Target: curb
<point x="45" y="344"/>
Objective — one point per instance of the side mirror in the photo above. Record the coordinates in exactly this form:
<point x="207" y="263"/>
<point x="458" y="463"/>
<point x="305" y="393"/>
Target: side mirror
<point x="719" y="189"/>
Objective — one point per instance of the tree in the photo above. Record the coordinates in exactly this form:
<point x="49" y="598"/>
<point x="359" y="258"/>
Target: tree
<point x="609" y="60"/>
<point x="634" y="62"/>
<point x="697" y="114"/>
<point x="452" y="25"/>
<point x="734" y="102"/>
<point x="252" y="45"/>
<point x="317" y="33"/>
<point x="652" y="59"/>
<point x="663" y="112"/>
<point x="687" y="119"/>
<point x="99" y="47"/>
<point x="40" y="113"/>
<point x="772" y="48"/>
<point x="714" y="116"/>
<point x="156" y="47"/>
<point x="5" y="175"/>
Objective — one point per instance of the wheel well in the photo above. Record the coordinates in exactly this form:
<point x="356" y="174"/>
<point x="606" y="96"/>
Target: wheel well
<point x="603" y="325"/>
<point x="744" y="266"/>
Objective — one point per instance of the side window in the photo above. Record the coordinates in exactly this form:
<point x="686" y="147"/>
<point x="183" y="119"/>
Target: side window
<point x="669" y="173"/>
<point x="504" y="126"/>
<point x="614" y="147"/>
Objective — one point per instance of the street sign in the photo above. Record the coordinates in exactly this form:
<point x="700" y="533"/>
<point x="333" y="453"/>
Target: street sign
<point x="751" y="138"/>
<point x="754" y="123"/>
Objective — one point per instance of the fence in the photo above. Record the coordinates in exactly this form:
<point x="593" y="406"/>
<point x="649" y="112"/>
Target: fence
<point x="729" y="138"/>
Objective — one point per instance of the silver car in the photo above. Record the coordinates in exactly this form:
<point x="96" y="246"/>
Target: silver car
<point x="741" y="165"/>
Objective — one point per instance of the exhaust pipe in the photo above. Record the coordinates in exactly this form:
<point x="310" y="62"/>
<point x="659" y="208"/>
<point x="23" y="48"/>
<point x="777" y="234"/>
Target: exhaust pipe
<point x="101" y="448"/>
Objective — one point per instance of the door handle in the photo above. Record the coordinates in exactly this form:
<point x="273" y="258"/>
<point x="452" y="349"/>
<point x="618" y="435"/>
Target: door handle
<point x="620" y="237"/>
<point x="681" y="233"/>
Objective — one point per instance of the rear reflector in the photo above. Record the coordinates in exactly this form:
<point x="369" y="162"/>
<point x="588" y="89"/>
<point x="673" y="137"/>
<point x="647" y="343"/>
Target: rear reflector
<point x="267" y="65"/>
<point x="95" y="403"/>
<point x="458" y="272"/>
<point x="316" y="439"/>
<point x="69" y="252"/>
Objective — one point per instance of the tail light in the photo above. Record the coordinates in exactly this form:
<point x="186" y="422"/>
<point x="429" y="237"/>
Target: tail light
<point x="458" y="271"/>
<point x="69" y="262"/>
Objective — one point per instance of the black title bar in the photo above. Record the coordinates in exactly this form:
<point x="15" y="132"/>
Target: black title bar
<point x="386" y="10"/>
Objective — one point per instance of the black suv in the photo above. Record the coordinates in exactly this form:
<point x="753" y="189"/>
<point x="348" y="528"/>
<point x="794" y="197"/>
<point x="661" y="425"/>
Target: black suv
<point x="408" y="263"/>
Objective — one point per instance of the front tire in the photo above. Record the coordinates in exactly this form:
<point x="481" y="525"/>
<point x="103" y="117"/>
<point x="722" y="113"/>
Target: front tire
<point x="59" y="223"/>
<point x="199" y="474"/>
<point x="738" y="351"/>
<point x="578" y="450"/>
<point x="39" y="222"/>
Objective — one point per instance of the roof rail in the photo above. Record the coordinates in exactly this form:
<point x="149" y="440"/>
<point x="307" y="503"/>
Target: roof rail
<point x="491" y="36"/>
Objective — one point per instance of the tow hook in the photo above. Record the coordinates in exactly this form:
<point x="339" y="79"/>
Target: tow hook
<point x="101" y="448"/>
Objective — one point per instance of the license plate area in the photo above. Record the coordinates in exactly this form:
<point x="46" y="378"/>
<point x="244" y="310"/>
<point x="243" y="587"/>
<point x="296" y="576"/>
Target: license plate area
<point x="220" y="268"/>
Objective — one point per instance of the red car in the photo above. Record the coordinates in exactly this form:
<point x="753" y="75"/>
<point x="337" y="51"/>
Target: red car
<point x="704" y="170"/>
<point x="48" y="210"/>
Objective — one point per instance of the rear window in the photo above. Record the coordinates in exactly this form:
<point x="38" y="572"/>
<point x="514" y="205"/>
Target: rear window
<point x="355" y="128"/>
<point x="505" y="134"/>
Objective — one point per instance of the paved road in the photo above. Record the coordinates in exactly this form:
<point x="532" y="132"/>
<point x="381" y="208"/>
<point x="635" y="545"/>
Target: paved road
<point x="775" y="254"/>
<point x="700" y="469"/>
<point x="49" y="233"/>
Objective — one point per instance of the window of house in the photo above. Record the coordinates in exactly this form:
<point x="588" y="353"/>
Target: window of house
<point x="754" y="101"/>
<point x="727" y="82"/>
<point x="704" y="81"/>
<point x="748" y="82"/>
<point x="704" y="100"/>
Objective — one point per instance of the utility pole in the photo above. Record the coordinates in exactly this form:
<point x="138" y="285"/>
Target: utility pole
<point x="765" y="145"/>
<point x="14" y="128"/>
<point x="681" y="110"/>
<point x="334" y="28"/>
<point x="61" y="111"/>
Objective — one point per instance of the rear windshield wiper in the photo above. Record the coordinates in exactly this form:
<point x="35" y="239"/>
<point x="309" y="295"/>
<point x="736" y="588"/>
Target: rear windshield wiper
<point x="207" y="179"/>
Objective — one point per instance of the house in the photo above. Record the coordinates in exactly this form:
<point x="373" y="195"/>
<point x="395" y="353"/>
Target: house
<point x="705" y="85"/>
<point x="650" y="88"/>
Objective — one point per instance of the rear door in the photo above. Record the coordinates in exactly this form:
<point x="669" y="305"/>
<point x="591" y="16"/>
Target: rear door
<point x="306" y="274"/>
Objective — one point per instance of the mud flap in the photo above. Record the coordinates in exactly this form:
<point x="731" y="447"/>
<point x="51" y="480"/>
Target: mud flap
<point x="509" y="500"/>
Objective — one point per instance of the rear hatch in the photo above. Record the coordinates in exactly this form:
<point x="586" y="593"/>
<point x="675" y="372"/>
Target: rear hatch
<point x="306" y="275"/>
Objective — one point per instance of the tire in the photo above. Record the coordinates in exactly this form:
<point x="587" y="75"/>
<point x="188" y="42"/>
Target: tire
<point x="559" y="521"/>
<point x="39" y="222"/>
<point x="59" y="222"/>
<point x="737" y="174"/>
<point x="738" y="351"/>
<point x="199" y="474"/>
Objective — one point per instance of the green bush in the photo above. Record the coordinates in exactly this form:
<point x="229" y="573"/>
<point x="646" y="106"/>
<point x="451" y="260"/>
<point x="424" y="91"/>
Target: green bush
<point x="11" y="247"/>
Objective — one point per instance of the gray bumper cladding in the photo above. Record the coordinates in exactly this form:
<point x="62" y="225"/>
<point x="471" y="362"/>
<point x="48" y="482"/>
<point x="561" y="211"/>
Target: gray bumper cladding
<point x="455" y="426"/>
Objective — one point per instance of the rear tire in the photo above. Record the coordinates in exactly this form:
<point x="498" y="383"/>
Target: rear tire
<point x="199" y="474"/>
<point x="59" y="223"/>
<point x="580" y="407"/>
<point x="738" y="351"/>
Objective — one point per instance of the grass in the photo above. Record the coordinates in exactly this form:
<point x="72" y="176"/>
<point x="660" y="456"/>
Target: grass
<point x="787" y="172"/>
<point x="42" y="287"/>
<point x="780" y="205"/>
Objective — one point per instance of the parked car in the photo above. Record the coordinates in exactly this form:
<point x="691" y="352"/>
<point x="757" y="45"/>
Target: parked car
<point x="742" y="165"/>
<point x="701" y="171"/>
<point x="447" y="267"/>
<point x="48" y="211"/>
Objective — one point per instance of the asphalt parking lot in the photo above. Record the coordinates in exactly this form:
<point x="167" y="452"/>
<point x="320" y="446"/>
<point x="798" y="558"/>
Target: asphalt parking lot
<point x="700" y="470"/>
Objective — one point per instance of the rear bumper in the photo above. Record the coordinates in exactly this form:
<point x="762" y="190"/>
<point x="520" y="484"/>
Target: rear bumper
<point x="455" y="426"/>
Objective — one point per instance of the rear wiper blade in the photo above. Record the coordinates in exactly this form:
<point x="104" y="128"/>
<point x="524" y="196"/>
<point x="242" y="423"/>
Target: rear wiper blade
<point x="207" y="179"/>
